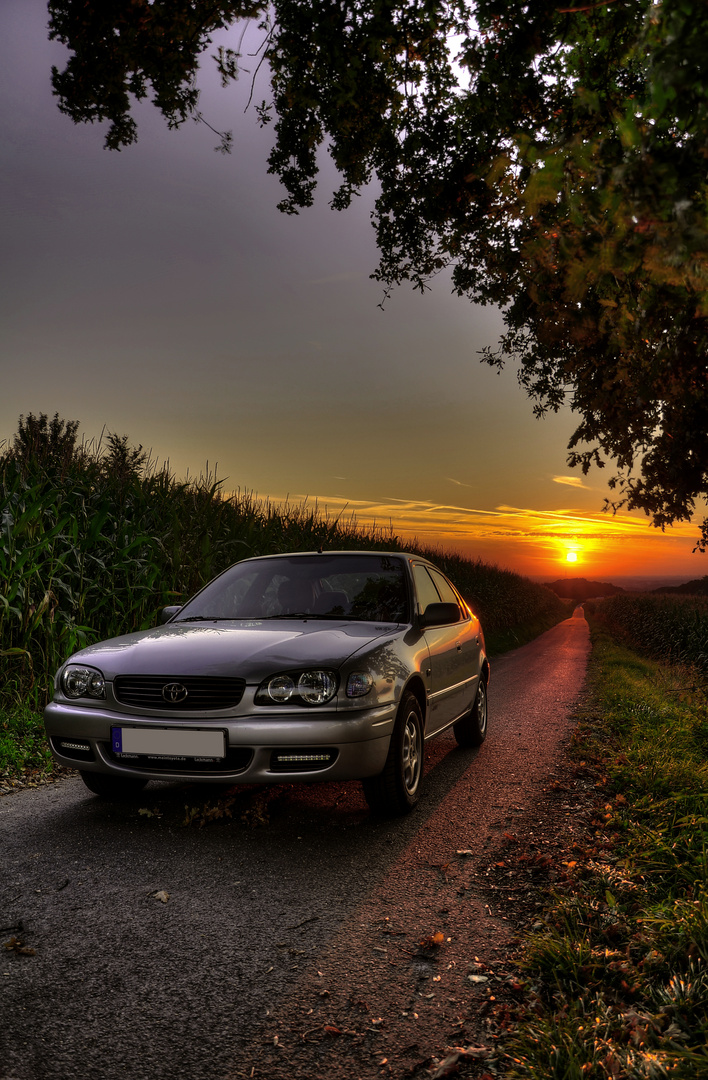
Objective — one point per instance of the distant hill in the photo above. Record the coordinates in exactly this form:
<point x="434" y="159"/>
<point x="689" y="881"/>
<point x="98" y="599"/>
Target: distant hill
<point x="582" y="589"/>
<point x="698" y="587"/>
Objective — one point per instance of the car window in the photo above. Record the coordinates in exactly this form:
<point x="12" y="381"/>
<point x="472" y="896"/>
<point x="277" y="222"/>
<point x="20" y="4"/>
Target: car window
<point x="224" y="597"/>
<point x="364" y="587"/>
<point x="447" y="592"/>
<point x="427" y="593"/>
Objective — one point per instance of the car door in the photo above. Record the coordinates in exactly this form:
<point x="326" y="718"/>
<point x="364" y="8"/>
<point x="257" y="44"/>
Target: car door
<point x="468" y="644"/>
<point x="449" y="650"/>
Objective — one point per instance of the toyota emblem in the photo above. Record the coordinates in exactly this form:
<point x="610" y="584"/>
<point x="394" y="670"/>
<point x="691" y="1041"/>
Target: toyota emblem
<point x="174" y="692"/>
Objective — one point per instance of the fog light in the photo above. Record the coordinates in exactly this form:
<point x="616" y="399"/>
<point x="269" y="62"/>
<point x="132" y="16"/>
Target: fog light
<point x="291" y="759"/>
<point x="74" y="745"/>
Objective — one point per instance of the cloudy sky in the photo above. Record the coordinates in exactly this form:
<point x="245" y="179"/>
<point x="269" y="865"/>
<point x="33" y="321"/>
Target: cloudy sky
<point x="158" y="292"/>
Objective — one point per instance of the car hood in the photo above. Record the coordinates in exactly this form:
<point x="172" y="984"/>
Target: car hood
<point x="251" y="650"/>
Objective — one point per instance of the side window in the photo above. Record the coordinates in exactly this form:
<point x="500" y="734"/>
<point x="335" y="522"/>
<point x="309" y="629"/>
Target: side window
<point x="447" y="592"/>
<point x="427" y="593"/>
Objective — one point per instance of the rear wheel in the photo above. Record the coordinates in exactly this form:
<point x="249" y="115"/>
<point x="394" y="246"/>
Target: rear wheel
<point x="396" y="790"/>
<point x="471" y="730"/>
<point x="112" y="787"/>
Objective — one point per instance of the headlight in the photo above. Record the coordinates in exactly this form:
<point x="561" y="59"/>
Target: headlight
<point x="79" y="682"/>
<point x="281" y="688"/>
<point x="314" y="687"/>
<point x="317" y="687"/>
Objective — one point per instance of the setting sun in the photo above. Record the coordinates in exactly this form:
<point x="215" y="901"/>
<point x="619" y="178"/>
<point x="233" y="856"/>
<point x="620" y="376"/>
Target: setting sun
<point x="571" y="557"/>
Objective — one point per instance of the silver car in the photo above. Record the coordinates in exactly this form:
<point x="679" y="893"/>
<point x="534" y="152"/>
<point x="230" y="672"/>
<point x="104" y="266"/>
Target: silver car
<point x="334" y="665"/>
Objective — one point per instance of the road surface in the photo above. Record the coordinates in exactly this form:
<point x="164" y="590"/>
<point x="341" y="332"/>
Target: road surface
<point x="285" y="939"/>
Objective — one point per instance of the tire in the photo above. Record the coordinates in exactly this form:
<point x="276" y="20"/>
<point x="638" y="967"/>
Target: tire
<point x="471" y="730"/>
<point x="116" y="788"/>
<point x="396" y="790"/>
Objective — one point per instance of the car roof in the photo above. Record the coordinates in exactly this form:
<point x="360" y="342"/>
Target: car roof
<point x="329" y="551"/>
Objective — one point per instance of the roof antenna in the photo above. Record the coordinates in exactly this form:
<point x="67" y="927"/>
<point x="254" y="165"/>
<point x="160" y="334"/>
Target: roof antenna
<point x="319" y="550"/>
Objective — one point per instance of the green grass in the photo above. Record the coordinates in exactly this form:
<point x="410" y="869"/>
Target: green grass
<point x="620" y="973"/>
<point x="23" y="746"/>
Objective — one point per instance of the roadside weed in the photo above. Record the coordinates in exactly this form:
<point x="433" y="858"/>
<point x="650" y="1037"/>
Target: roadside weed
<point x="23" y="746"/>
<point x="620" y="969"/>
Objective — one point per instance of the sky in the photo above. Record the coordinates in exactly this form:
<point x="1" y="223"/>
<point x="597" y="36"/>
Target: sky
<point x="158" y="293"/>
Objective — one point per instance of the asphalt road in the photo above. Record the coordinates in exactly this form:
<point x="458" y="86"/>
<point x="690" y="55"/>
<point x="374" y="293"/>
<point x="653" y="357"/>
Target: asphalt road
<point x="148" y="949"/>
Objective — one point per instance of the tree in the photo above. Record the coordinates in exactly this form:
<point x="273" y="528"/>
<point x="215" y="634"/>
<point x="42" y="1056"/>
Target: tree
<point x="554" y="156"/>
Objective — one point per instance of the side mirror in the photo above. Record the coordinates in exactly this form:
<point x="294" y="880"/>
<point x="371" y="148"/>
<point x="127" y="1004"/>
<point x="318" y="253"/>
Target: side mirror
<point x="439" y="615"/>
<point x="168" y="612"/>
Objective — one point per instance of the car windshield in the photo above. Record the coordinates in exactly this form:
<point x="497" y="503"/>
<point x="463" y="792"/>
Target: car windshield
<point x="327" y="586"/>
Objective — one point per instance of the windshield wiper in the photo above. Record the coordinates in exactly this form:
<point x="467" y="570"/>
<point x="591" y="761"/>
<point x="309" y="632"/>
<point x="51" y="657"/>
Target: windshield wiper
<point x="291" y="615"/>
<point x="202" y="618"/>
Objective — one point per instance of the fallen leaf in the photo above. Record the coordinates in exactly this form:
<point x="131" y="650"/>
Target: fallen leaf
<point x="465" y="851"/>
<point x="447" y="1066"/>
<point x="476" y="1051"/>
<point x="161" y="895"/>
<point x="18" y="946"/>
<point x="433" y="941"/>
<point x="451" y="1062"/>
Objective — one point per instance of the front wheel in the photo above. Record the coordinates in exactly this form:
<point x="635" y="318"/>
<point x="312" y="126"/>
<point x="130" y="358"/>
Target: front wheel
<point x="471" y="730"/>
<point x="112" y="787"/>
<point x="396" y="790"/>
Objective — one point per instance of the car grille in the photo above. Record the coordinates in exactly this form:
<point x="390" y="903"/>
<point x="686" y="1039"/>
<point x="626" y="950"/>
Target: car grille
<point x="202" y="693"/>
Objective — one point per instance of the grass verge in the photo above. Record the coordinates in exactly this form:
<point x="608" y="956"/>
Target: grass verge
<point x="25" y="758"/>
<point x="617" y="972"/>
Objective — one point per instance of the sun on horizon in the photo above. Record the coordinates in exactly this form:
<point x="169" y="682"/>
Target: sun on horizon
<point x="571" y="557"/>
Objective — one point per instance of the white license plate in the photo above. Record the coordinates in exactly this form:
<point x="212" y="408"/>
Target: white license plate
<point x="169" y="742"/>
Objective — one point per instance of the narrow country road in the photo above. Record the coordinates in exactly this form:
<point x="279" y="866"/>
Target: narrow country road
<point x="285" y="939"/>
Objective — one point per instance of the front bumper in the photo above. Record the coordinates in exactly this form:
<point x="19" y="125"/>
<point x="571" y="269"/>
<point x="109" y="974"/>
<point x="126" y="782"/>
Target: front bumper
<point x="259" y="748"/>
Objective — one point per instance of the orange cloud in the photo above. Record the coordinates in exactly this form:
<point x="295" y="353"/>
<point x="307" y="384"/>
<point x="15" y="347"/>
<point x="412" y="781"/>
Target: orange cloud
<point x="571" y="481"/>
<point x="531" y="541"/>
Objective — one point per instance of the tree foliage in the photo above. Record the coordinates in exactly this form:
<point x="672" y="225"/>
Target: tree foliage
<point x="554" y="156"/>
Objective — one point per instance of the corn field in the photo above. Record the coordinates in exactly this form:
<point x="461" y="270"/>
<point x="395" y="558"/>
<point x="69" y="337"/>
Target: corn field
<point x="670" y="628"/>
<point x="95" y="539"/>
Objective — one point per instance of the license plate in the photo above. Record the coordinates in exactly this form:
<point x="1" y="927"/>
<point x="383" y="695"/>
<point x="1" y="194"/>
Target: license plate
<point x="169" y="742"/>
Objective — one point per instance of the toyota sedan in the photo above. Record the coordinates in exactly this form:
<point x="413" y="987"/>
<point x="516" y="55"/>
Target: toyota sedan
<point x="334" y="665"/>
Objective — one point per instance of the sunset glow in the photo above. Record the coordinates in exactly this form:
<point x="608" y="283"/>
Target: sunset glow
<point x="532" y="542"/>
<point x="257" y="342"/>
